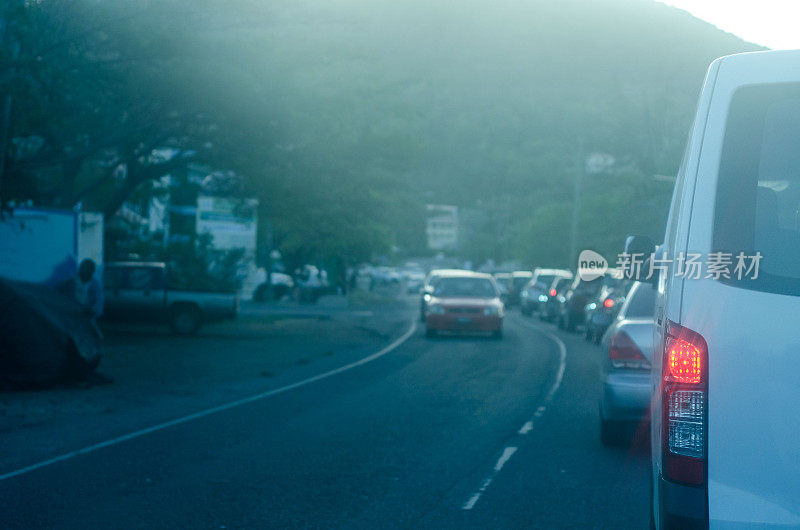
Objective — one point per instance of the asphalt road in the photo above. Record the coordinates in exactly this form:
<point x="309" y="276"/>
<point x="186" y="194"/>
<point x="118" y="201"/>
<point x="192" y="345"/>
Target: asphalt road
<point x="449" y="432"/>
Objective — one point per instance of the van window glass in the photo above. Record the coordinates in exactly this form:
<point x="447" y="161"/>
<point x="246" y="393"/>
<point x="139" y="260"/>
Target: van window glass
<point x="758" y="191"/>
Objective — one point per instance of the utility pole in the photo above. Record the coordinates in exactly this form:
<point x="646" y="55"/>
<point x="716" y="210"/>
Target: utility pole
<point x="580" y="169"/>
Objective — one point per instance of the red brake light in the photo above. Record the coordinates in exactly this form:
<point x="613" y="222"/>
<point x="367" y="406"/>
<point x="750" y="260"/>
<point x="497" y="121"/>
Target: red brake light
<point x="553" y="292"/>
<point x="608" y="302"/>
<point x="624" y="353"/>
<point x="684" y="394"/>
<point x="685" y="362"/>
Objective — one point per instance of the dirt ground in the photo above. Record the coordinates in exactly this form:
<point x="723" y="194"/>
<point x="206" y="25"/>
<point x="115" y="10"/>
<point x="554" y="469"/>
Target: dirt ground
<point x="158" y="376"/>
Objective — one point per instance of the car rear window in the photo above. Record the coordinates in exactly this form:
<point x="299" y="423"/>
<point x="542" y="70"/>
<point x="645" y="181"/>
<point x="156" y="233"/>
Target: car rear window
<point x="521" y="281"/>
<point x="641" y="303"/>
<point x="758" y="197"/>
<point x="562" y="283"/>
<point x="466" y="287"/>
<point x="591" y="286"/>
<point x="545" y="279"/>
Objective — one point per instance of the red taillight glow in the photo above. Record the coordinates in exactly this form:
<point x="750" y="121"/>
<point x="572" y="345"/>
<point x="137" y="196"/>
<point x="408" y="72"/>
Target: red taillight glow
<point x="609" y="303"/>
<point x="553" y="292"/>
<point x="684" y="391"/>
<point x="624" y="353"/>
<point x="685" y="362"/>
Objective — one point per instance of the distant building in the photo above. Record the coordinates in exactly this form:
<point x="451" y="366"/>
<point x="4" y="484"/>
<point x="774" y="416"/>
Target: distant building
<point x="194" y="201"/>
<point x="231" y="222"/>
<point x="442" y="227"/>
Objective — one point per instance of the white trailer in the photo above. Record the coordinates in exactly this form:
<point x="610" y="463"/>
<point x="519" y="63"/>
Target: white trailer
<point x="34" y="242"/>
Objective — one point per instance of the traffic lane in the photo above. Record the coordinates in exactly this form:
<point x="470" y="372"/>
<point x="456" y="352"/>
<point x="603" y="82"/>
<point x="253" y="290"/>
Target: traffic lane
<point x="561" y="475"/>
<point x="379" y="445"/>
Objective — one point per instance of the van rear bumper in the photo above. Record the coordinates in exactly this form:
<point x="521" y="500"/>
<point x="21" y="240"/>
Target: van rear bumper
<point x="682" y="506"/>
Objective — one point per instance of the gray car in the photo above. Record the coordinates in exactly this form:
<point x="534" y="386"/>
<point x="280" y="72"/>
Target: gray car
<point x="627" y="354"/>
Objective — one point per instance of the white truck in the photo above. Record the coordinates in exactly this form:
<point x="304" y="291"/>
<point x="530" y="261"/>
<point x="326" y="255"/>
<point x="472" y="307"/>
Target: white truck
<point x="137" y="291"/>
<point x="725" y="435"/>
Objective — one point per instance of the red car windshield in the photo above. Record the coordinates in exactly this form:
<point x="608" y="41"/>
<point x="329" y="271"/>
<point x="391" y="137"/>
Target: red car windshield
<point x="465" y="287"/>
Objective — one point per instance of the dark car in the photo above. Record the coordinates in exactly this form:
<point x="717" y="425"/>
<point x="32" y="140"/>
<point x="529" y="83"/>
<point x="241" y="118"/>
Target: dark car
<point x="503" y="281"/>
<point x="548" y="309"/>
<point x="535" y="292"/>
<point x="572" y="310"/>
<point x="519" y="279"/>
<point x="600" y="312"/>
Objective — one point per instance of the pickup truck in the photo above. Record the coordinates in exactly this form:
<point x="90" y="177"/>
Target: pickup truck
<point x="725" y="441"/>
<point x="140" y="292"/>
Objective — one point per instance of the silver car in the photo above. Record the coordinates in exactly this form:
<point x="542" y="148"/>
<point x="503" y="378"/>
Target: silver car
<point x="627" y="348"/>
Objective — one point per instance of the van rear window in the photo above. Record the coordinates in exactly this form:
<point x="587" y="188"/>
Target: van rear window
<point x="758" y="192"/>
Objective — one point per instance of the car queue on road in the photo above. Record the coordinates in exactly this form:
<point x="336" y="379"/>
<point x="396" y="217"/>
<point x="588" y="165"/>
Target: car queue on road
<point x="611" y="311"/>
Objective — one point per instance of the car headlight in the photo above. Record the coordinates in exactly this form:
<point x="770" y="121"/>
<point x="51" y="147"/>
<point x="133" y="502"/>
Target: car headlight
<point x="491" y="310"/>
<point x="436" y="310"/>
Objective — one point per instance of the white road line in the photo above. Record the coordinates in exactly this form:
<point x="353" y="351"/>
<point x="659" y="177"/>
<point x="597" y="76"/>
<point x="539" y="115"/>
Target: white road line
<point x="528" y="426"/>
<point x="474" y="499"/>
<point x="562" y="366"/>
<point x="562" y="362"/>
<point x="213" y="410"/>
<point x="507" y="453"/>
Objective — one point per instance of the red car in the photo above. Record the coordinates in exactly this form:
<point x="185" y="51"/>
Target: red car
<point x="465" y="302"/>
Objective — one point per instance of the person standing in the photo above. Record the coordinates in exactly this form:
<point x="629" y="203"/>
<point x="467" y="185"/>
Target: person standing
<point x="89" y="292"/>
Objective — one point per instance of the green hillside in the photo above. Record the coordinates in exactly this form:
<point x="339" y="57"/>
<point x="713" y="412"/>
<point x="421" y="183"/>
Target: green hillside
<point x="487" y="104"/>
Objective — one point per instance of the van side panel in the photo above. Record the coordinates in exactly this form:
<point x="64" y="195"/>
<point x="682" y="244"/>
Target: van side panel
<point x="669" y="293"/>
<point x="753" y="345"/>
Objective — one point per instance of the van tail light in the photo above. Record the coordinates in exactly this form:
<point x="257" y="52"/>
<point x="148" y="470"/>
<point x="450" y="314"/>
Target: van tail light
<point x="608" y="303"/>
<point x="624" y="353"/>
<point x="684" y="393"/>
<point x="553" y="292"/>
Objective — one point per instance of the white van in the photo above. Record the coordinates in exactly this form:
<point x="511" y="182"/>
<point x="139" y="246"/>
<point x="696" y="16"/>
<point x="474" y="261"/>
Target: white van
<point x="725" y="407"/>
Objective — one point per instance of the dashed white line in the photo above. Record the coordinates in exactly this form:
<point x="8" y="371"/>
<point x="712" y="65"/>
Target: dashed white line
<point x="472" y="500"/>
<point x="528" y="426"/>
<point x="508" y="452"/>
<point x="213" y="410"/>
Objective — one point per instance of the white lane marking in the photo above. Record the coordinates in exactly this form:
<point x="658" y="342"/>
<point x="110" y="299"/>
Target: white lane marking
<point x="562" y="365"/>
<point x="213" y="410"/>
<point x="507" y="453"/>
<point x="474" y="499"/>
<point x="528" y="426"/>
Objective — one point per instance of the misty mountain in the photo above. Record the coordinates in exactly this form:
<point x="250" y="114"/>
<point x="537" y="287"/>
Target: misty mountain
<point x="492" y="104"/>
